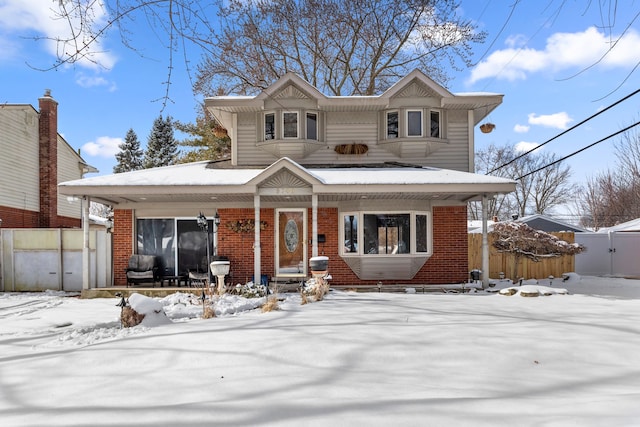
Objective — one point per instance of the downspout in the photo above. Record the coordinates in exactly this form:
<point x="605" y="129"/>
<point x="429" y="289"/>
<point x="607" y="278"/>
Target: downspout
<point x="485" y="244"/>
<point x="86" y="255"/>
<point x="314" y="225"/>
<point x="257" y="277"/>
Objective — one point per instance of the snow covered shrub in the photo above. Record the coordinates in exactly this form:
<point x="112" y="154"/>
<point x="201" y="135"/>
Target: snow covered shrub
<point x="249" y="290"/>
<point x="316" y="287"/>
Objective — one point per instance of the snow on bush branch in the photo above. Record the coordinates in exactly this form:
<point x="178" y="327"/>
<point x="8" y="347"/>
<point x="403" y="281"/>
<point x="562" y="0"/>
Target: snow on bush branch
<point x="522" y="240"/>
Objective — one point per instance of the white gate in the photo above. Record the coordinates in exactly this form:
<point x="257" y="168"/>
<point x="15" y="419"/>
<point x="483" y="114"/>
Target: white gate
<point x="615" y="253"/>
<point x="51" y="259"/>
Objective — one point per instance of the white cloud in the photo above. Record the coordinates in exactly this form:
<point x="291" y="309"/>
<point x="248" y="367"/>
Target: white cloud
<point x="557" y="121"/>
<point x="86" y="81"/>
<point x="521" y="128"/>
<point x="104" y="146"/>
<point x="33" y="18"/>
<point x="523" y="146"/>
<point x="562" y="51"/>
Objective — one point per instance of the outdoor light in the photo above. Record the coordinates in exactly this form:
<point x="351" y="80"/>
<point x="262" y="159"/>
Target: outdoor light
<point x="204" y="225"/>
<point x="216" y="219"/>
<point x="202" y="222"/>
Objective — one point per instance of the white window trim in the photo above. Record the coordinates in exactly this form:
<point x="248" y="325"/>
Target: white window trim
<point x="306" y="130"/>
<point x="297" y="113"/>
<point x="360" y="232"/>
<point x="440" y="129"/>
<point x="415" y="110"/>
<point x="264" y="125"/>
<point x="386" y="124"/>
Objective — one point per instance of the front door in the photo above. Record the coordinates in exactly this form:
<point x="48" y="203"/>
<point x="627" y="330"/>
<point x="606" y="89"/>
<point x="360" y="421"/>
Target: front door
<point x="290" y="244"/>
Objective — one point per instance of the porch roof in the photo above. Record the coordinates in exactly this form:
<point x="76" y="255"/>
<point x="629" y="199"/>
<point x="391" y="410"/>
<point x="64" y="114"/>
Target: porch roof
<point x="207" y="180"/>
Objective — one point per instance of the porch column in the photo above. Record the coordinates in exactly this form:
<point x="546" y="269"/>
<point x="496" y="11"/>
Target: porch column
<point x="314" y="225"/>
<point x="485" y="244"/>
<point x="256" y="243"/>
<point x="86" y="254"/>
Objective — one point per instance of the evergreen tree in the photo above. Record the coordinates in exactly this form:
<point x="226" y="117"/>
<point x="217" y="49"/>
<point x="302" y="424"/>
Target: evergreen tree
<point x="162" y="147"/>
<point x="130" y="156"/>
<point x="207" y="140"/>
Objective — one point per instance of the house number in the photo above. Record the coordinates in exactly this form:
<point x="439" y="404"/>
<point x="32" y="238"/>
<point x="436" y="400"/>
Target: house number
<point x="285" y="190"/>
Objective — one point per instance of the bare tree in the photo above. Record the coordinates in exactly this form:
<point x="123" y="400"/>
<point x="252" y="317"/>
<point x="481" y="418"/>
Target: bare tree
<point x="613" y="196"/>
<point x="341" y="47"/>
<point x="538" y="190"/>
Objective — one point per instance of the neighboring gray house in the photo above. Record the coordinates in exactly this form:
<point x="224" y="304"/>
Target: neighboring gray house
<point x="549" y="224"/>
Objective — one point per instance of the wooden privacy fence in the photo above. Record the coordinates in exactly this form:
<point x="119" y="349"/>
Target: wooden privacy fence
<point x="503" y="262"/>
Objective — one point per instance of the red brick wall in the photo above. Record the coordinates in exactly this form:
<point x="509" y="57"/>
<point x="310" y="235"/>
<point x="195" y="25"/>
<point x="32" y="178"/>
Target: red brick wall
<point x="447" y="265"/>
<point x="122" y="244"/>
<point x="48" y="159"/>
<point x="239" y="246"/>
<point x="19" y="218"/>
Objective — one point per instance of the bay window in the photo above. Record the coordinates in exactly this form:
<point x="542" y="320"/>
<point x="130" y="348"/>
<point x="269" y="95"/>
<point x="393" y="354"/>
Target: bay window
<point x="385" y="233"/>
<point x="435" y="124"/>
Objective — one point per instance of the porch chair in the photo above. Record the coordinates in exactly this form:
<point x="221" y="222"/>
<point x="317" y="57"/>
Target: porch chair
<point x="143" y="269"/>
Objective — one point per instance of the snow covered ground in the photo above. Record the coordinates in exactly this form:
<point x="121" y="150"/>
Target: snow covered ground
<point x="374" y="359"/>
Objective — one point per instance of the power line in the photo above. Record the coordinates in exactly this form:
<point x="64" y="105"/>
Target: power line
<point x="580" y="150"/>
<point x="565" y="131"/>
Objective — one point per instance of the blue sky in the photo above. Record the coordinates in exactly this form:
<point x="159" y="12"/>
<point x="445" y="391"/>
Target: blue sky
<point x="541" y="58"/>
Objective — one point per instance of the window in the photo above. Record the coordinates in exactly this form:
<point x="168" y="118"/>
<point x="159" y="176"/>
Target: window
<point x="155" y="237"/>
<point x="392" y="124"/>
<point x="414" y="123"/>
<point x="312" y="126"/>
<point x="269" y="126"/>
<point x="435" y="124"/>
<point x="290" y="125"/>
<point x="385" y="233"/>
<point x="350" y="233"/>
<point x="421" y="234"/>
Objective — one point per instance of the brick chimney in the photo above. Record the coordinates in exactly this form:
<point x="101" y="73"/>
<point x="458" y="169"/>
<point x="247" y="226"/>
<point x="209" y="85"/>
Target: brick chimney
<point x="48" y="159"/>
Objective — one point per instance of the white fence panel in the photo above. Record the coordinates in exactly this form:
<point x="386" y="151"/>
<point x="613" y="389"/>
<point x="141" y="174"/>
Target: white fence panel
<point x="615" y="254"/>
<point x="596" y="260"/>
<point x="625" y="248"/>
<point x="51" y="259"/>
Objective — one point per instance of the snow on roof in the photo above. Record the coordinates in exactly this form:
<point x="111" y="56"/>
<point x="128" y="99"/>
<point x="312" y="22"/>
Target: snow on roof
<point x="199" y="173"/>
<point x="633" y="225"/>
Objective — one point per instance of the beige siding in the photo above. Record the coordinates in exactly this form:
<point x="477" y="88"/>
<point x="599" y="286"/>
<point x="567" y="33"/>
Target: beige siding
<point x="19" y="168"/>
<point x="68" y="170"/>
<point x="364" y="128"/>
<point x="456" y="154"/>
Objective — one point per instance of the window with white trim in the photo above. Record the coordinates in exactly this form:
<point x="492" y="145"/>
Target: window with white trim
<point x="269" y="126"/>
<point x="392" y="124"/>
<point x="312" y="126"/>
<point x="290" y="124"/>
<point x="436" y="124"/>
<point x="414" y="122"/>
<point x="385" y="233"/>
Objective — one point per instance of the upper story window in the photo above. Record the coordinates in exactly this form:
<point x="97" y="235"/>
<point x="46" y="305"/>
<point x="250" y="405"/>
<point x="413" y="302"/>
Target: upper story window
<point x="312" y="126"/>
<point x="392" y="124"/>
<point x="436" y="124"/>
<point x="269" y="126"/>
<point x="290" y="124"/>
<point x="414" y="123"/>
